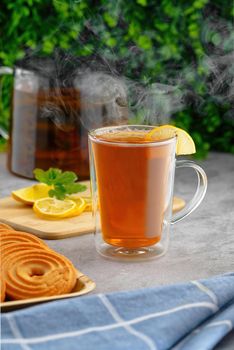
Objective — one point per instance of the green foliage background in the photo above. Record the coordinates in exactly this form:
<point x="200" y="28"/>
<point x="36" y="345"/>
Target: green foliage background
<point x="157" y="41"/>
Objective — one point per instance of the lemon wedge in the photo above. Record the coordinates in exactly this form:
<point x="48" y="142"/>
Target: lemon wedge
<point x="29" y="195"/>
<point x="185" y="143"/>
<point x="178" y="204"/>
<point x="52" y="208"/>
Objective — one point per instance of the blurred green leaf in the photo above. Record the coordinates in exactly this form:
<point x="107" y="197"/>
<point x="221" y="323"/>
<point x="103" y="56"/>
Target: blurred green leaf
<point x="110" y="20"/>
<point x="142" y="2"/>
<point x="144" y="42"/>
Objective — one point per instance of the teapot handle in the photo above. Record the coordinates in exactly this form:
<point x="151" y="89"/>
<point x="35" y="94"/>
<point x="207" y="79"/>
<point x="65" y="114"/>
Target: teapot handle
<point x="4" y="71"/>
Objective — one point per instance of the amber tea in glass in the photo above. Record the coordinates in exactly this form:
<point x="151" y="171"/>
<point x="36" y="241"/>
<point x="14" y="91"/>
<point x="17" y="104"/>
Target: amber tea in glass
<point x="132" y="185"/>
<point x="132" y="182"/>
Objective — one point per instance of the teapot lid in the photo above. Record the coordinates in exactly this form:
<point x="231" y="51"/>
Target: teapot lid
<point x="55" y="68"/>
<point x="62" y="67"/>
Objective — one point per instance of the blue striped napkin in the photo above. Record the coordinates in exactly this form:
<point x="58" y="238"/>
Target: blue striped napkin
<point x="190" y="316"/>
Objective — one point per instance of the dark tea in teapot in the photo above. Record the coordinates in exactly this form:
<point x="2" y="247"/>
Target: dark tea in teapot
<point x="54" y="105"/>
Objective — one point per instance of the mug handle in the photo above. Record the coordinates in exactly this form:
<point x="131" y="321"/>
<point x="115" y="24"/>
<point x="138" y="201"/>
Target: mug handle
<point x="199" y="194"/>
<point x="4" y="71"/>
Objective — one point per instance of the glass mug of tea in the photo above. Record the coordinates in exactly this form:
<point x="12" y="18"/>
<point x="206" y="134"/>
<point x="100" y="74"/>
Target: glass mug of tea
<point x="132" y="184"/>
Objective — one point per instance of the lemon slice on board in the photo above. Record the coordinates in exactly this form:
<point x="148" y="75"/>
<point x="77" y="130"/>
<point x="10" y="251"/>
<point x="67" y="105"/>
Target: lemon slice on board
<point x="88" y="200"/>
<point x="88" y="203"/>
<point x="185" y="143"/>
<point x="79" y="208"/>
<point x="29" y="195"/>
<point x="52" y="208"/>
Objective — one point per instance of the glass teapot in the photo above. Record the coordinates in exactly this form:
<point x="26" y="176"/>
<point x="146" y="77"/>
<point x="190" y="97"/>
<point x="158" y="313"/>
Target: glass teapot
<point x="54" y="105"/>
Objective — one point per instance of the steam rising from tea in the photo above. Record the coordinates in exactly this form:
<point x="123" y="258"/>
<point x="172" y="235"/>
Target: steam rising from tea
<point x="58" y="99"/>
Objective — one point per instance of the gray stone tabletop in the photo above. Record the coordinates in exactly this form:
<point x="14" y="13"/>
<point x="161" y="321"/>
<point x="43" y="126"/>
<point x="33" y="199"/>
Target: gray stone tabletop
<point x="201" y="246"/>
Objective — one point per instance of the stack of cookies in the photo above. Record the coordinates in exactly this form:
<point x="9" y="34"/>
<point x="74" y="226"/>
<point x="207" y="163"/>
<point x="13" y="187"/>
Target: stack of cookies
<point x="30" y="269"/>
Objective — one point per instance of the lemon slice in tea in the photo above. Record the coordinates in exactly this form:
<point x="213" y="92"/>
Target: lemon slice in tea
<point x="185" y="143"/>
<point x="52" y="208"/>
<point x="29" y="195"/>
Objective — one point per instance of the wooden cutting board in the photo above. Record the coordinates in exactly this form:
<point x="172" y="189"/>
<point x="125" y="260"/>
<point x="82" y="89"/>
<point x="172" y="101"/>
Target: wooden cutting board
<point x="21" y="217"/>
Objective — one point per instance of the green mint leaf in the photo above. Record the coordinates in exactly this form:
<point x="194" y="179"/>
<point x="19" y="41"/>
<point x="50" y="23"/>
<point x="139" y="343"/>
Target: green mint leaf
<point x="74" y="188"/>
<point x="40" y="175"/>
<point x="63" y="182"/>
<point x="59" y="192"/>
<point x="52" y="193"/>
<point x="48" y="177"/>
<point x="66" y="177"/>
<point x="53" y="174"/>
<point x="80" y="188"/>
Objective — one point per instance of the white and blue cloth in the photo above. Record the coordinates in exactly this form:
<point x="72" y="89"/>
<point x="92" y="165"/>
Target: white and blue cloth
<point x="190" y="316"/>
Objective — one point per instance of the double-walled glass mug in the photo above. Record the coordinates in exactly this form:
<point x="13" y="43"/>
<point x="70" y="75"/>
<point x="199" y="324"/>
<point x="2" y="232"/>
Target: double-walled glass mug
<point x="132" y="184"/>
